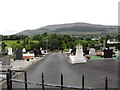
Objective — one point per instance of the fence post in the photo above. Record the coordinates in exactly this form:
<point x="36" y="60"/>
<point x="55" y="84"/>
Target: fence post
<point x="25" y="77"/>
<point x="8" y="79"/>
<point x="61" y="81"/>
<point x="106" y="83"/>
<point x="83" y="82"/>
<point x="43" y="88"/>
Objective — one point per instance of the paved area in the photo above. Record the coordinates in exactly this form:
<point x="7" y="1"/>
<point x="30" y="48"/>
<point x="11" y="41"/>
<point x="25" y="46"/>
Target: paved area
<point x="19" y="65"/>
<point x="94" y="71"/>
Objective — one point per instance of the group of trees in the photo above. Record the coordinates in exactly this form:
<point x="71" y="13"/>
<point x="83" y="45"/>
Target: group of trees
<point x="14" y="37"/>
<point x="54" y="42"/>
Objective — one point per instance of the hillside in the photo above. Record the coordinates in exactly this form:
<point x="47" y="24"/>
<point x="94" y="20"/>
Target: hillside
<point x="74" y="29"/>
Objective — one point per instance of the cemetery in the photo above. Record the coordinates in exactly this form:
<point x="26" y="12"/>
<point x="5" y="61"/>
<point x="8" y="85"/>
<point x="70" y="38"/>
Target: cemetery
<point x="21" y="56"/>
<point x="78" y="55"/>
<point x="18" y="59"/>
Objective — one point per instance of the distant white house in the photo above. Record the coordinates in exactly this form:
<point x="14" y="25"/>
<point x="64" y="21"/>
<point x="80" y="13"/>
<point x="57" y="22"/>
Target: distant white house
<point x="112" y="41"/>
<point x="95" y="39"/>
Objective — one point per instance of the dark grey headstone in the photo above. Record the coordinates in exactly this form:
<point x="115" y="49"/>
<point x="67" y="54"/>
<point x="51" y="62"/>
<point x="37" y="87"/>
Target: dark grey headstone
<point x="35" y="52"/>
<point x="19" y="54"/>
<point x="108" y="53"/>
<point x="86" y="51"/>
<point x="73" y="51"/>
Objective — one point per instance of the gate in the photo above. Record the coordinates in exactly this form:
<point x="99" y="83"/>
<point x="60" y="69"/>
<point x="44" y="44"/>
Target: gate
<point x="9" y="81"/>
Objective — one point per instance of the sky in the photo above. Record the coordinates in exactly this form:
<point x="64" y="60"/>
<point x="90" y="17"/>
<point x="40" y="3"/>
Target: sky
<point x="19" y="15"/>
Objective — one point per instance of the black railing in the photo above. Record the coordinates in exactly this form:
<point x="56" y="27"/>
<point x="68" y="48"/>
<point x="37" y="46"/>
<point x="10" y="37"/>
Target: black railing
<point x="9" y="81"/>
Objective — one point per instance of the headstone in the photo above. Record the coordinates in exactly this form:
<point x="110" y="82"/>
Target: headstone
<point x="1" y="37"/>
<point x="19" y="54"/>
<point x="3" y="51"/>
<point x="70" y="50"/>
<point x="40" y="48"/>
<point x="73" y="51"/>
<point x="86" y="51"/>
<point x="88" y="48"/>
<point x="79" y="51"/>
<point x="78" y="58"/>
<point x="3" y="45"/>
<point x="118" y="54"/>
<point x="113" y="48"/>
<point x="108" y="53"/>
<point x="6" y="60"/>
<point x="10" y="51"/>
<point x="35" y="52"/>
<point x="42" y="51"/>
<point x="5" y="63"/>
<point x="23" y="50"/>
<point x="92" y="51"/>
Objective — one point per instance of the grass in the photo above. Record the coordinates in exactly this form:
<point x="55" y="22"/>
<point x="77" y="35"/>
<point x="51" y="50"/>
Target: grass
<point x="96" y="57"/>
<point x="12" y="42"/>
<point x="9" y="42"/>
<point x="93" y="57"/>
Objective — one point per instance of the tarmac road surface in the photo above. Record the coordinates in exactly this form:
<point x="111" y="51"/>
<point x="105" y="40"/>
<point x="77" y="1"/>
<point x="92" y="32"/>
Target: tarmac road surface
<point x="55" y="64"/>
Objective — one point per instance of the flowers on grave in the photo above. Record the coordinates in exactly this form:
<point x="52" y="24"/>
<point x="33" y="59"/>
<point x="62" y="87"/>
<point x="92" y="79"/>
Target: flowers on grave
<point x="88" y="56"/>
<point x="26" y="58"/>
<point x="99" y="53"/>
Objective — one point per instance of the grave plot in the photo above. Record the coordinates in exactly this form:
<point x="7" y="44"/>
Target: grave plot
<point x="91" y="54"/>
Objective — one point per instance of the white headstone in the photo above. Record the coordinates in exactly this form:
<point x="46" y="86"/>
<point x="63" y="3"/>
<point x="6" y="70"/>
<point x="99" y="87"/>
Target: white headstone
<point x="70" y="50"/>
<point x="42" y="51"/>
<point x="79" y="51"/>
<point x="10" y="51"/>
<point x="78" y="58"/>
<point x="40" y="48"/>
<point x="23" y="50"/>
<point x="92" y="51"/>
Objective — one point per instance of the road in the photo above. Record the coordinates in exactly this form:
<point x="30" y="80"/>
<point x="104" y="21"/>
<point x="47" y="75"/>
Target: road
<point x="55" y="64"/>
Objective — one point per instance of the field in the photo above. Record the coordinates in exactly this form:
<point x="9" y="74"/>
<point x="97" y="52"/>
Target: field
<point x="12" y="42"/>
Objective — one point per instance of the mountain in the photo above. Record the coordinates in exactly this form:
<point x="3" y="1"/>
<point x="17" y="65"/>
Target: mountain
<point x="74" y="29"/>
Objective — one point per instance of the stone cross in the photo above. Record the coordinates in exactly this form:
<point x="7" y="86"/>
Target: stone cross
<point x="3" y="45"/>
<point x="3" y="52"/>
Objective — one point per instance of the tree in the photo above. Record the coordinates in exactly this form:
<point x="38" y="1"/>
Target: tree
<point x="63" y="45"/>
